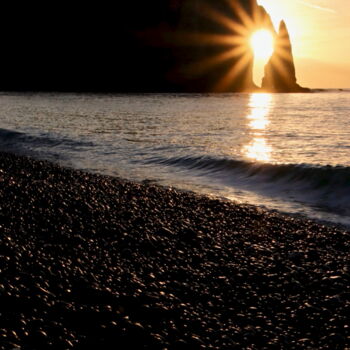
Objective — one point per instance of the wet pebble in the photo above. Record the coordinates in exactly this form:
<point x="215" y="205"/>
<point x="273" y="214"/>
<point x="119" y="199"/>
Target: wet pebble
<point x="94" y="262"/>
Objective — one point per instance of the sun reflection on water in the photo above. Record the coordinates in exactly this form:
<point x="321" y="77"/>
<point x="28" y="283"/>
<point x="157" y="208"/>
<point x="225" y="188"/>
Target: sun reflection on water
<point x="258" y="149"/>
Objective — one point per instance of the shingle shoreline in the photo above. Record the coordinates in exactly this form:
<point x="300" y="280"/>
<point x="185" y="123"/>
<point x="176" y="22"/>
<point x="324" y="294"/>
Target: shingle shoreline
<point x="95" y="262"/>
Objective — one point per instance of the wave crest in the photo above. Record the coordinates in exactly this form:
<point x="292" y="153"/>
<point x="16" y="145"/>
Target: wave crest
<point x="16" y="141"/>
<point x="326" y="187"/>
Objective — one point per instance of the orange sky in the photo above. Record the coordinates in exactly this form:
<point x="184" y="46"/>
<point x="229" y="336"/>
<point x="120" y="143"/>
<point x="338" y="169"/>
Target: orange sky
<point x="320" y="34"/>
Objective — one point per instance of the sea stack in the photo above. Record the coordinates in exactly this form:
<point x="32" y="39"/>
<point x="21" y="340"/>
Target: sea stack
<point x="280" y="70"/>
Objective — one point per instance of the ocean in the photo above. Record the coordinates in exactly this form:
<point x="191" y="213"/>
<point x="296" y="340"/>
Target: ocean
<point x="284" y="152"/>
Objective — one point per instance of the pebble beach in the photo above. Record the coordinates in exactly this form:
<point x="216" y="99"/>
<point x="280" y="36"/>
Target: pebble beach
<point x="96" y="262"/>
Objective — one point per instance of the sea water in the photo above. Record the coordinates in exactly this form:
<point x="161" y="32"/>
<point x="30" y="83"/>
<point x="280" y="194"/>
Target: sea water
<point x="286" y="152"/>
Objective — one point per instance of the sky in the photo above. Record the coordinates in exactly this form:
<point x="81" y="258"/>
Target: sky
<point x="320" y="35"/>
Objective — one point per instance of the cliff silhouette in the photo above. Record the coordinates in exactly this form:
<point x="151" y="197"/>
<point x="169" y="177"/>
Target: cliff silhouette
<point x="138" y="46"/>
<point x="279" y="73"/>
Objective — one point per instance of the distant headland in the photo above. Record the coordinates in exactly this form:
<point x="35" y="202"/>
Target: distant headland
<point x="141" y="46"/>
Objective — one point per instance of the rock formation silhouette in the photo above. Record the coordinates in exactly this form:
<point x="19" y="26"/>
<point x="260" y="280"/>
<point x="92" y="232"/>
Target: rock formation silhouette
<point x="133" y="46"/>
<point x="280" y="70"/>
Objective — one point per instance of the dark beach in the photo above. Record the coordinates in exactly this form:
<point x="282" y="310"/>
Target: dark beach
<point x="95" y="262"/>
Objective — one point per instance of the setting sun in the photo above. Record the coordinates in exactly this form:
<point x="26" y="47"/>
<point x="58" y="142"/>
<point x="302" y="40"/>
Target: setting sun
<point x="262" y="44"/>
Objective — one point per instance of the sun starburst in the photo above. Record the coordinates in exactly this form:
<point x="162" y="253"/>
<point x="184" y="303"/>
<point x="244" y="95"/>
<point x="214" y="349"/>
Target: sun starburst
<point x="238" y="26"/>
<point x="225" y="54"/>
<point x="262" y="43"/>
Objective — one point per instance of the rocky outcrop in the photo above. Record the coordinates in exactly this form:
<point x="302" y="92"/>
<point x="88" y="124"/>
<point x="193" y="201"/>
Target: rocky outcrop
<point x="134" y="46"/>
<point x="280" y="70"/>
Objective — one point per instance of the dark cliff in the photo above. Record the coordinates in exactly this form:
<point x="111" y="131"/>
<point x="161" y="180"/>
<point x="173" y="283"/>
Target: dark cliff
<point x="130" y="46"/>
<point x="280" y="70"/>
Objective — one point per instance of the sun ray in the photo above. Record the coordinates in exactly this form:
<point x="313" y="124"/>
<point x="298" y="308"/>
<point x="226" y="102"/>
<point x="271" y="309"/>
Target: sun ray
<point x="257" y="16"/>
<point x="217" y="17"/>
<point x="209" y="63"/>
<point x="242" y="14"/>
<point x="204" y="39"/>
<point x="230" y="76"/>
<point x="171" y="39"/>
<point x="280" y="67"/>
<point x="241" y="30"/>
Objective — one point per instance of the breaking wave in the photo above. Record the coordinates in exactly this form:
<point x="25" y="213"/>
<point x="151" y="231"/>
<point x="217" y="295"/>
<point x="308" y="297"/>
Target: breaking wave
<point x="325" y="187"/>
<point x="24" y="143"/>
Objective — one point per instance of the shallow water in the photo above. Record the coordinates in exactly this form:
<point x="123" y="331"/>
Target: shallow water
<point x="289" y="152"/>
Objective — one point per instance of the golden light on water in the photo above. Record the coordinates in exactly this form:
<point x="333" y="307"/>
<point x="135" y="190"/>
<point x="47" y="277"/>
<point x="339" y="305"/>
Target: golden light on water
<point x="259" y="123"/>
<point x="262" y="44"/>
<point x="259" y="149"/>
<point x="260" y="107"/>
